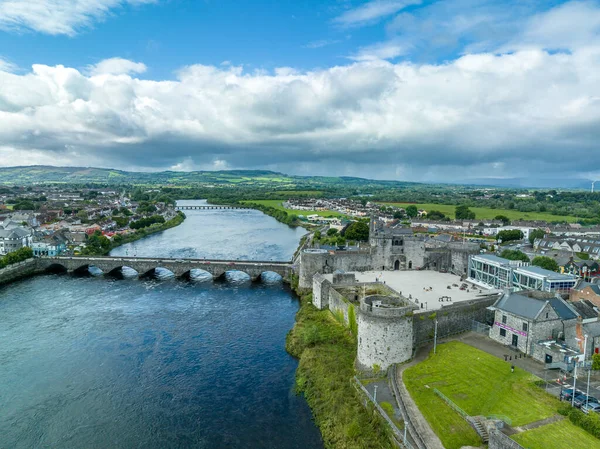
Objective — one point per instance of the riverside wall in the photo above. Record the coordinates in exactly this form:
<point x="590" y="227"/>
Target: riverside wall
<point x="18" y="271"/>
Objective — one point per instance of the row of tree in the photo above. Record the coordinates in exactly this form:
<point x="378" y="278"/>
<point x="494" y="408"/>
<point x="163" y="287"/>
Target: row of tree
<point x="16" y="256"/>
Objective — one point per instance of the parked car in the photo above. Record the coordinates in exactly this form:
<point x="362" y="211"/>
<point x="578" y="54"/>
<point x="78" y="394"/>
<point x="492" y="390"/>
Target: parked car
<point x="591" y="407"/>
<point x="582" y="399"/>
<point x="566" y="394"/>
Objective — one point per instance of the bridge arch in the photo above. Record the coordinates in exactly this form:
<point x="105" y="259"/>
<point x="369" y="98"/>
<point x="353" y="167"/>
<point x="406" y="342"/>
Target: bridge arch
<point x="198" y="275"/>
<point x="56" y="268"/>
<point x="122" y="272"/>
<point x="161" y="273"/>
<point x="269" y="277"/>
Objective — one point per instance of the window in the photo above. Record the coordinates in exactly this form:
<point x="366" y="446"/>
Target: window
<point x="503" y="319"/>
<point x="503" y="332"/>
<point x="546" y="315"/>
<point x="525" y="327"/>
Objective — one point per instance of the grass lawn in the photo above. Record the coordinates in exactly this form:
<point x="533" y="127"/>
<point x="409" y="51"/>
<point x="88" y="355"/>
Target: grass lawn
<point x="478" y="383"/>
<point x="558" y="435"/>
<point x="486" y="212"/>
<point x="277" y="205"/>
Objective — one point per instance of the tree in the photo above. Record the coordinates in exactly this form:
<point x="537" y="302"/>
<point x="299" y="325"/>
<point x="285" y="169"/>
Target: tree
<point x="503" y="218"/>
<point x="514" y="254"/>
<point x="596" y="362"/>
<point x="536" y="234"/>
<point x="464" y="213"/>
<point x="509" y="235"/>
<point x="82" y="215"/>
<point x="317" y="235"/>
<point x="331" y="232"/>
<point x="545" y="262"/>
<point x="412" y="211"/>
<point x="398" y="214"/>
<point x="358" y="231"/>
<point x="435" y="215"/>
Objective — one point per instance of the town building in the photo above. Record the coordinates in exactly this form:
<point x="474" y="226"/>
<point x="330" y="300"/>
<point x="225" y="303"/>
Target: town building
<point x="496" y="272"/>
<point x="524" y="318"/>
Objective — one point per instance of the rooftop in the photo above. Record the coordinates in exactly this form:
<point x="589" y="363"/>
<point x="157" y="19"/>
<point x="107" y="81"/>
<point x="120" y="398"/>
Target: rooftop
<point x="426" y="287"/>
<point x="551" y="275"/>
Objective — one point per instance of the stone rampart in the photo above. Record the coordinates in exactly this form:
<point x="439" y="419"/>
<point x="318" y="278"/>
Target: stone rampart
<point x="385" y="332"/>
<point x="452" y="319"/>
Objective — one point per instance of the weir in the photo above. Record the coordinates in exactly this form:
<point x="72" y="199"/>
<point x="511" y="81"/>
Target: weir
<point x="146" y="266"/>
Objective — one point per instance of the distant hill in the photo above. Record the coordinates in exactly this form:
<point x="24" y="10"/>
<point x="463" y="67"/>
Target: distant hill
<point x="40" y="174"/>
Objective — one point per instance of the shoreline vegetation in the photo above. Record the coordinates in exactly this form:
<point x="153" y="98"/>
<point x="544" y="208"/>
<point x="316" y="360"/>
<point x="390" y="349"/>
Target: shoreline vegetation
<point x="102" y="246"/>
<point x="326" y="350"/>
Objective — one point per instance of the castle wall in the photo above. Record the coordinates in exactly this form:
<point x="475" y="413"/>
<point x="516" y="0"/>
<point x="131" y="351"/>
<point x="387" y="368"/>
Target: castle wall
<point x="327" y="263"/>
<point x="339" y="305"/>
<point x="321" y="288"/>
<point x="452" y="319"/>
<point x="383" y="341"/>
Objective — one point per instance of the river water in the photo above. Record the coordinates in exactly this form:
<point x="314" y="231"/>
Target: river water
<point x="98" y="363"/>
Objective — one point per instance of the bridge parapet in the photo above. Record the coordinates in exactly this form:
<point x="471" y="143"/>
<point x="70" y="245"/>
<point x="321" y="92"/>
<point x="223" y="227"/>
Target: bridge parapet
<point x="179" y="267"/>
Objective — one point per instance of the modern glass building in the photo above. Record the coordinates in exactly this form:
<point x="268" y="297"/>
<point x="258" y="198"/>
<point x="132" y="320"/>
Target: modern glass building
<point x="496" y="272"/>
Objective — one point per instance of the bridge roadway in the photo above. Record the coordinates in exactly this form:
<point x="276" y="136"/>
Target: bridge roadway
<point x="209" y="207"/>
<point x="145" y="266"/>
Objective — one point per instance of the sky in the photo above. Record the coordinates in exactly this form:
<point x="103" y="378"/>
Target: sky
<point x="411" y="90"/>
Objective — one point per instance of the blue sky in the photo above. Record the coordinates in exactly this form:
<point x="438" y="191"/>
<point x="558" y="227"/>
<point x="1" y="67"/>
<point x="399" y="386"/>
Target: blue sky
<point x="400" y="89"/>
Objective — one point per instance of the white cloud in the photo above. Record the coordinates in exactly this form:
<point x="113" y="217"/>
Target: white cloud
<point x="7" y="66"/>
<point x="57" y="16"/>
<point x="117" y="66"/>
<point x="371" y="12"/>
<point x="531" y="111"/>
<point x="383" y="50"/>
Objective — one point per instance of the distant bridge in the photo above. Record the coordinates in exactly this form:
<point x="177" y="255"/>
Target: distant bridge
<point x="209" y="207"/>
<point x="146" y="266"/>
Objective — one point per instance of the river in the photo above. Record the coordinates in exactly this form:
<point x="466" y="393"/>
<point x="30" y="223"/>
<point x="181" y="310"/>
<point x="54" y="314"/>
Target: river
<point x="98" y="363"/>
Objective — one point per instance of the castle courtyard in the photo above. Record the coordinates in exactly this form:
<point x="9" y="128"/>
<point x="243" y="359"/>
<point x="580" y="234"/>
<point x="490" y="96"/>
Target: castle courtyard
<point x="426" y="287"/>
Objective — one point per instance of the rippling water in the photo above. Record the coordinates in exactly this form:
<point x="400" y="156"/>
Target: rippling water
<point x="220" y="234"/>
<point x="95" y="363"/>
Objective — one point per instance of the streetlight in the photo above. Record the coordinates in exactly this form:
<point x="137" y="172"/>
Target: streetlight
<point x="375" y="394"/>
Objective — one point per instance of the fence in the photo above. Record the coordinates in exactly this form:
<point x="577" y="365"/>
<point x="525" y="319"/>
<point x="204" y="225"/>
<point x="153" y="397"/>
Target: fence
<point x="398" y="436"/>
<point x="480" y="328"/>
<point x="452" y="404"/>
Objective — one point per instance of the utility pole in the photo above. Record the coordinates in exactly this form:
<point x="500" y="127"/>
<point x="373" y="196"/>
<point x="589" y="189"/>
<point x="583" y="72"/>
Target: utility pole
<point x="435" y="337"/>
<point x="375" y="394"/>
<point x="574" y="382"/>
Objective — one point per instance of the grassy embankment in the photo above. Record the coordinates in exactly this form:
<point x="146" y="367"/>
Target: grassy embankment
<point x="482" y="384"/>
<point x="277" y="204"/>
<point x="326" y="350"/>
<point x="489" y="213"/>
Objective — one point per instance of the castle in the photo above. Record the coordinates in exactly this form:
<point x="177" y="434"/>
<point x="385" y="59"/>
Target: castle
<point x="388" y="324"/>
<point x="390" y="248"/>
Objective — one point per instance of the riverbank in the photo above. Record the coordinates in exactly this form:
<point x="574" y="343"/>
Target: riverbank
<point x="326" y="350"/>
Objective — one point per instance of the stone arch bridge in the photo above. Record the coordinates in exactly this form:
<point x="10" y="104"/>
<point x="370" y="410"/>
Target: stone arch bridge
<point x="146" y="266"/>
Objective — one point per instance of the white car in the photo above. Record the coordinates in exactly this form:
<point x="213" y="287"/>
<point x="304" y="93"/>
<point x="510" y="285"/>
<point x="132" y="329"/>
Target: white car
<point x="590" y="407"/>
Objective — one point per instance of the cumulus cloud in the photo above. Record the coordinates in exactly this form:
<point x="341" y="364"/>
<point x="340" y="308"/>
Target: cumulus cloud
<point x="505" y="114"/>
<point x="117" y="66"/>
<point x="371" y="12"/>
<point x="57" y="16"/>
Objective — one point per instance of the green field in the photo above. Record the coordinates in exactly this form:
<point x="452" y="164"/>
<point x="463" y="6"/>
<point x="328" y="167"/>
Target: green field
<point x="277" y="205"/>
<point x="559" y="435"/>
<point x="478" y="383"/>
<point x="488" y="213"/>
